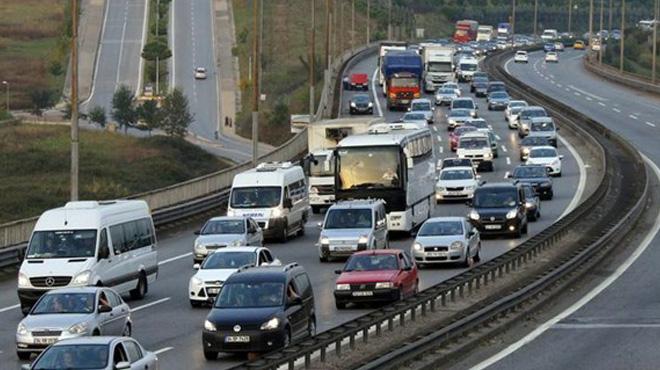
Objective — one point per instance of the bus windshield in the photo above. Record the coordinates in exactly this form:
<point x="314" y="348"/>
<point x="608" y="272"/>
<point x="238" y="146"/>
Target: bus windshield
<point x="322" y="167"/>
<point x="369" y="168"/>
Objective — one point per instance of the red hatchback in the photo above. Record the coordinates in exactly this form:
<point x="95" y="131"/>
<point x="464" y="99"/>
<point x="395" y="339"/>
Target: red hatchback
<point x="380" y="275"/>
<point x="359" y="81"/>
<point x="454" y="135"/>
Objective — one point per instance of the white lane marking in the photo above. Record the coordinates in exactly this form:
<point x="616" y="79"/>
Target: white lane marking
<point x="616" y="110"/>
<point x="163" y="350"/>
<point x="560" y="85"/>
<point x="577" y="94"/>
<point x="145" y="25"/>
<point x="498" y="137"/>
<point x="121" y="49"/>
<point x="586" y="299"/>
<point x="174" y="258"/>
<point x="442" y="150"/>
<point x="582" y="181"/>
<point x="150" y="304"/>
<point x="601" y="104"/>
<point x="567" y="89"/>
<point x="435" y="128"/>
<point x="373" y="91"/>
<point x="587" y="93"/>
<point x="588" y="98"/>
<point x="631" y="116"/>
<point x="506" y="66"/>
<point x="605" y="326"/>
<point x="9" y="308"/>
<point x="439" y="138"/>
<point x="504" y="148"/>
<point x="650" y="124"/>
<point x="98" y="54"/>
<point x="508" y="161"/>
<point x="506" y="174"/>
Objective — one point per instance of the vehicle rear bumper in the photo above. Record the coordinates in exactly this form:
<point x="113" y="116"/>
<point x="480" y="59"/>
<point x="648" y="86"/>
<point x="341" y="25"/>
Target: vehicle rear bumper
<point x="379" y="295"/>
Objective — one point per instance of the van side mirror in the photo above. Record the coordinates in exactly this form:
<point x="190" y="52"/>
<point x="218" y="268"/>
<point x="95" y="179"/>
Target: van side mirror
<point x="104" y="252"/>
<point x="287" y="203"/>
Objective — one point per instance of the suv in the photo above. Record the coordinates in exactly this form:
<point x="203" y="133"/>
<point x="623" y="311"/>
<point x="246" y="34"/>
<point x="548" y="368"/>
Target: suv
<point x="544" y="127"/>
<point x="352" y="226"/>
<point x="499" y="208"/>
<point x="260" y="309"/>
<point x="477" y="147"/>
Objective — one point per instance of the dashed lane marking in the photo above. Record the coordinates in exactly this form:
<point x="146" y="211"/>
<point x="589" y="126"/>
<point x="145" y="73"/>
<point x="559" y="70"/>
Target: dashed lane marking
<point x="504" y="149"/>
<point x="5" y="309"/>
<point x="174" y="258"/>
<point x="631" y="116"/>
<point x="150" y="304"/>
<point x="650" y="124"/>
<point x="601" y="104"/>
<point x="616" y="110"/>
<point x="508" y="161"/>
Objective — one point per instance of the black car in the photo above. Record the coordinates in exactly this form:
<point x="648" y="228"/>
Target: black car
<point x="499" y="208"/>
<point x="479" y="86"/>
<point x="535" y="175"/>
<point x="260" y="309"/>
<point x="532" y="202"/>
<point x="361" y="104"/>
<point x="495" y="86"/>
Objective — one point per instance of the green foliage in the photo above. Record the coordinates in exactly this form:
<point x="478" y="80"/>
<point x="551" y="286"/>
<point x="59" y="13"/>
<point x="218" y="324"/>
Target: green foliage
<point x="55" y="68"/>
<point x="176" y="114"/>
<point x="97" y="115"/>
<point x="157" y="49"/>
<point x="123" y="107"/>
<point x="150" y="115"/>
<point x="41" y="99"/>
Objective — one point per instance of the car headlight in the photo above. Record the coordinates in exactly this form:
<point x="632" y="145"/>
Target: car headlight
<point x="363" y="239"/>
<point x="556" y="162"/>
<point x="231" y="213"/>
<point x="371" y="104"/>
<point x="456" y="245"/>
<point x="525" y="150"/>
<point x="23" y="280"/>
<point x="353" y="104"/>
<point x="529" y="204"/>
<point x="82" y="278"/>
<point x="209" y="326"/>
<point x="417" y="247"/>
<point x="440" y="188"/>
<point x="452" y="121"/>
<point x="488" y="156"/>
<point x="199" y="247"/>
<point x="470" y="187"/>
<point x="22" y="330"/>
<point x="277" y="212"/>
<point x="271" y="324"/>
<point x="195" y="281"/>
<point x="384" y="285"/>
<point x="474" y="215"/>
<point x="342" y="287"/>
<point x="512" y="214"/>
<point x="80" y="328"/>
<point x="324" y="240"/>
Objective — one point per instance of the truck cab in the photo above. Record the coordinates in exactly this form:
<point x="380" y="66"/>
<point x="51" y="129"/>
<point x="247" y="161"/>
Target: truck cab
<point x="402" y="88"/>
<point x="321" y="170"/>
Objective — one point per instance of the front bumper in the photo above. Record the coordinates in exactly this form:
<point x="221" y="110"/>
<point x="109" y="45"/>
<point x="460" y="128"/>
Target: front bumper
<point x="453" y="194"/>
<point x="321" y="199"/>
<point x="333" y="250"/>
<point x="36" y="344"/>
<point x="260" y="340"/>
<point x="451" y="256"/>
<point x="367" y="296"/>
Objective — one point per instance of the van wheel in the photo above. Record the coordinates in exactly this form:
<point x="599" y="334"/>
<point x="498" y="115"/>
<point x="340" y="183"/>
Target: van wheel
<point x="141" y="290"/>
<point x="323" y="258"/>
<point x="210" y="355"/>
<point x="311" y="328"/>
<point x="340" y="305"/>
<point x="285" y="234"/>
<point x="316" y="209"/>
<point x="96" y="333"/>
<point x="23" y="356"/>
<point x="301" y="231"/>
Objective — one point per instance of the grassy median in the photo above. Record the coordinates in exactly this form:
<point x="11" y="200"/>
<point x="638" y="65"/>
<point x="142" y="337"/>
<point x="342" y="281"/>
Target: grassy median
<point x="34" y="166"/>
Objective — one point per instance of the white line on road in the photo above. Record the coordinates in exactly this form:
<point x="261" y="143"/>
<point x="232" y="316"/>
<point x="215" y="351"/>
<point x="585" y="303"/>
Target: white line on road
<point x="150" y="304"/>
<point x="442" y="150"/>
<point x="121" y="49"/>
<point x="567" y="89"/>
<point x="498" y="137"/>
<point x="560" y="85"/>
<point x="650" y="124"/>
<point x="582" y="181"/>
<point x="439" y="138"/>
<point x="435" y="128"/>
<point x="504" y="148"/>
<point x="616" y="110"/>
<point x="163" y="350"/>
<point x="5" y="309"/>
<point x="605" y="326"/>
<point x="588" y="98"/>
<point x="98" y="54"/>
<point x="586" y="299"/>
<point x="587" y="93"/>
<point x="174" y="258"/>
<point x="508" y="162"/>
<point x="373" y="90"/>
<point x="601" y="104"/>
<point x="577" y="94"/>
<point x="631" y="116"/>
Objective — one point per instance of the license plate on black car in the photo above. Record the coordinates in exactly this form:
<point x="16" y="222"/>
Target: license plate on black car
<point x="237" y="339"/>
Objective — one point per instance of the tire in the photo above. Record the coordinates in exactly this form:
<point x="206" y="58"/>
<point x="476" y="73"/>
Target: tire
<point x="141" y="289"/>
<point x="316" y="209"/>
<point x="416" y="290"/>
<point x="301" y="231"/>
<point x="477" y="257"/>
<point x="538" y="214"/>
<point x="311" y="328"/>
<point x="195" y="304"/>
<point x="284" y="236"/>
<point x="524" y="230"/>
<point x="210" y="355"/>
<point x="532" y="217"/>
<point x="559" y="174"/>
<point x="468" y="262"/>
<point x="340" y="305"/>
<point x="287" y="338"/>
<point x="323" y="259"/>
<point x="127" y="331"/>
<point x="24" y="356"/>
<point x="401" y="296"/>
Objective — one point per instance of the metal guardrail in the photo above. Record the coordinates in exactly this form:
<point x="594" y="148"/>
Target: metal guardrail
<point x="624" y="78"/>
<point x="482" y="275"/>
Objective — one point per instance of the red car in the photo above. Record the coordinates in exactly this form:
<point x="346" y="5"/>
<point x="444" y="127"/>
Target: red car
<point x="454" y="135"/>
<point x="380" y="275"/>
<point x="359" y="81"/>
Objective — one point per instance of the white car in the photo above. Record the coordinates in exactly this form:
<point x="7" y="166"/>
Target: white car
<point x="509" y="111"/>
<point x="456" y="183"/>
<point x="452" y="85"/>
<point x="546" y="156"/>
<point x="205" y="285"/>
<point x="521" y="57"/>
<point x="551" y="57"/>
<point x="200" y="73"/>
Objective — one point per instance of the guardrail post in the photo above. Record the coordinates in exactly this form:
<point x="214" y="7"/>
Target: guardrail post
<point x="365" y="335"/>
<point x="433" y="304"/>
<point x="308" y="360"/>
<point x="338" y="347"/>
<point x="486" y="279"/>
<point x="390" y="324"/>
<point x="413" y="313"/>
<point x="292" y="364"/>
<point x="452" y="294"/>
<point x="402" y="319"/>
<point x="478" y="283"/>
<point x="322" y="354"/>
<point x="351" y="341"/>
<point x="460" y="290"/>
<point x="499" y="270"/>
<point x="424" y="308"/>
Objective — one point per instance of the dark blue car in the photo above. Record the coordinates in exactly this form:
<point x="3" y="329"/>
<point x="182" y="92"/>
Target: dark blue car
<point x="548" y="46"/>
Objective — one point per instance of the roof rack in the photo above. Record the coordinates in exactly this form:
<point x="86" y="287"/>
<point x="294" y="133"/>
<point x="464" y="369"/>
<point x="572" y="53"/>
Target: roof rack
<point x="273" y="166"/>
<point x="289" y="266"/>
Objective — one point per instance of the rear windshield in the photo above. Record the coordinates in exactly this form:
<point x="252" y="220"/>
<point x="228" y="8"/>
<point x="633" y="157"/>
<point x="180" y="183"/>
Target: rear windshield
<point x="542" y="126"/>
<point x="348" y="218"/>
<point x="539" y="112"/>
<point x="529" y="172"/>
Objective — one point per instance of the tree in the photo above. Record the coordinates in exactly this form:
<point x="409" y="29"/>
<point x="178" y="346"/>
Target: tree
<point x="41" y="99"/>
<point x="151" y="115"/>
<point x="176" y="114"/>
<point x="97" y="115"/>
<point x="156" y="49"/>
<point x="123" y="107"/>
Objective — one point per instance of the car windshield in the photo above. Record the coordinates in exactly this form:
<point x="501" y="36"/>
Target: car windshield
<point x="529" y="172"/>
<point x="414" y="117"/>
<point x="528" y="113"/>
<point x="420" y="106"/>
<point x="73" y="357"/>
<point x="499" y="95"/>
<point x="372" y="262"/>
<point x="457" y="175"/>
<point x="542" y="126"/>
<point x="529" y="192"/>
<point x="322" y="166"/>
<point x="62" y="244"/>
<point x="441" y="228"/>
<point x="542" y="153"/>
<point x="472" y="143"/>
<point x="468" y="67"/>
<point x="495" y="198"/>
<point x="450" y="86"/>
<point x="478" y="123"/>
<point x="256" y="197"/>
<point x="63" y="303"/>
<point x="404" y="82"/>
<point x="521" y="53"/>
<point x="361" y="98"/>
<point x="369" y="168"/>
<point x="228" y="260"/>
<point x="223" y="227"/>
<point x="348" y="219"/>
<point x="251" y="295"/>
<point x="460" y="103"/>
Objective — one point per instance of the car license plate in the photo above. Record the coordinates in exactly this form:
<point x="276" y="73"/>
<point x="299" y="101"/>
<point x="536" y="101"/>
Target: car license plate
<point x="454" y="193"/>
<point x="435" y="254"/>
<point x="47" y="340"/>
<point x="237" y="339"/>
<point x="213" y="290"/>
<point x="405" y="101"/>
<point x="493" y="227"/>
<point x="344" y="249"/>
<point x="363" y="294"/>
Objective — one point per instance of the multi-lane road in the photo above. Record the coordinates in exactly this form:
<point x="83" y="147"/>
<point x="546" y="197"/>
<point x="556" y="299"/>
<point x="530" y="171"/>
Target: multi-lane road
<point x="616" y="325"/>
<point x="166" y="323"/>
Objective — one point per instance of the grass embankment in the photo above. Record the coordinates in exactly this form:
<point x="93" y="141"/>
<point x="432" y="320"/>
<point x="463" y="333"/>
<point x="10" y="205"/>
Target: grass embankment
<point x="34" y="166"/>
<point x="638" y="53"/>
<point x="34" y="45"/>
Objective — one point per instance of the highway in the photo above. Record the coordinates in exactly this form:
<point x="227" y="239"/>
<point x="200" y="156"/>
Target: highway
<point x="616" y="325"/>
<point x="166" y="323"/>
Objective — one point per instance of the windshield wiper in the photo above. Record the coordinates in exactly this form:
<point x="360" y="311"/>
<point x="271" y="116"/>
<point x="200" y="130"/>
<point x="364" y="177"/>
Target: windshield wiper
<point x="367" y="185"/>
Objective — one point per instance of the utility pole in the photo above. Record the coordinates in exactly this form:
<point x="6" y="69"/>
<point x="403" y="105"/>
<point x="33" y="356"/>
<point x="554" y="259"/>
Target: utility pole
<point x="157" y="56"/>
<point x="623" y="36"/>
<point x="570" y="14"/>
<point x="352" y="25"/>
<point x="656" y="12"/>
<point x="255" y="82"/>
<point x="609" y="23"/>
<point x="335" y="27"/>
<point x="74" y="101"/>
<point x="536" y="15"/>
<point x="6" y="83"/>
<point x="389" y="20"/>
<point x="513" y="24"/>
<point x="600" y="33"/>
<point x="591" y="23"/>
<point x="368" y="21"/>
<point x="327" y="35"/>
<point x="341" y="29"/>
<point x="312" y="61"/>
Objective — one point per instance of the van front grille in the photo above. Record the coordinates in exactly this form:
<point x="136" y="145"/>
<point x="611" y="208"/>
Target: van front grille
<point x="50" y="281"/>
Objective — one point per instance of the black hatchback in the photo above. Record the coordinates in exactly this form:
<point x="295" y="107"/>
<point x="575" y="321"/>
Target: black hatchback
<point x="499" y="208"/>
<point x="260" y="309"/>
<point x="535" y="175"/>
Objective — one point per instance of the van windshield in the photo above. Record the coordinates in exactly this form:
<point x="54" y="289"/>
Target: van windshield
<point x="348" y="219"/>
<point x="256" y="197"/>
<point x="62" y="244"/>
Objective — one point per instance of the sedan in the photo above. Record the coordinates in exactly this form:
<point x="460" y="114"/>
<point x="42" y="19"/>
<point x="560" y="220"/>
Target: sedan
<point x="225" y="231"/>
<point x="200" y="73"/>
<point x="548" y="157"/>
<point x="456" y="134"/>
<point x="521" y="57"/>
<point x="71" y="313"/>
<point x="420" y="119"/>
<point x="457" y="117"/>
<point x="361" y="104"/>
<point x="480" y="87"/>
<point x="98" y="353"/>
<point x="445" y="95"/>
<point x="552" y="57"/>
<point x="452" y="85"/>
<point x="498" y="100"/>
<point x="379" y="275"/>
<point x="456" y="183"/>
<point x="465" y="103"/>
<point x="423" y="106"/>
<point x="447" y="240"/>
<point x="529" y="142"/>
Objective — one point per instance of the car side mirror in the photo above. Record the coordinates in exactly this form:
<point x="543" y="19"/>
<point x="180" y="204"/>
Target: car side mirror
<point x="105" y="308"/>
<point x="123" y="365"/>
<point x="561" y="156"/>
<point x="25" y="366"/>
<point x="338" y="272"/>
<point x="104" y="252"/>
<point x="198" y="232"/>
<point x="319" y="225"/>
<point x="407" y="268"/>
<point x="196" y="266"/>
<point x="295" y="301"/>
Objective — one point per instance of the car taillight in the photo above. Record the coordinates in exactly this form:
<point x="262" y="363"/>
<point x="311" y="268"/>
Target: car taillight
<point x="392" y="95"/>
<point x="417" y="95"/>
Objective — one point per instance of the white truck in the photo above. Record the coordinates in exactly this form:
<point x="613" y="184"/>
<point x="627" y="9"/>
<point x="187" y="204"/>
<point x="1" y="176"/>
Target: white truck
<point x="466" y="68"/>
<point x="438" y="65"/>
<point x="319" y="165"/>
<point x="485" y="33"/>
<point x="550" y="35"/>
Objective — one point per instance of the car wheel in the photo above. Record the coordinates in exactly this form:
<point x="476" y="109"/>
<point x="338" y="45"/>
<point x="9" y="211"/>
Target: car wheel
<point x="127" y="331"/>
<point x="96" y="333"/>
<point x="416" y="290"/>
<point x="210" y="355"/>
<point x="559" y="174"/>
<point x="469" y="261"/>
<point x="340" y="305"/>
<point x="287" y="338"/>
<point x="401" y="295"/>
<point x="311" y="328"/>
<point x="141" y="289"/>
<point x="538" y="214"/>
<point x="524" y="230"/>
<point x="477" y="257"/>
<point x="301" y="231"/>
<point x="24" y="356"/>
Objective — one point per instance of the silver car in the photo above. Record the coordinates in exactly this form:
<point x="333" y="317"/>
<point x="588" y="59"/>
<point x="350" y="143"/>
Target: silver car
<point x="70" y="313"/>
<point x="447" y="240"/>
<point x="423" y="106"/>
<point x="226" y="231"/>
<point x="445" y="95"/>
<point x="99" y="353"/>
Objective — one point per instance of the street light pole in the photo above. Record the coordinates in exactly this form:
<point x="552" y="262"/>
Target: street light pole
<point x="312" y="61"/>
<point x="656" y="12"/>
<point x="570" y="14"/>
<point x="255" y="82"/>
<point x="74" y="101"/>
<point x="389" y="20"/>
<point x="609" y="23"/>
<point x="6" y="83"/>
<point x="157" y="56"/>
<point x="513" y="24"/>
<point x="623" y="36"/>
<point x="352" y="25"/>
<point x="600" y="33"/>
<point x="368" y="21"/>
<point x="591" y="24"/>
<point x="327" y="35"/>
<point x="536" y="14"/>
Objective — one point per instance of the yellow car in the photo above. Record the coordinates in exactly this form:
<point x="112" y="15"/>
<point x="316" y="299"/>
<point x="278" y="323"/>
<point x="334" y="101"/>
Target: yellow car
<point x="579" y="45"/>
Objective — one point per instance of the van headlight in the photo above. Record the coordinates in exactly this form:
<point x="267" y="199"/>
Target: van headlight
<point x="324" y="240"/>
<point x="231" y="213"/>
<point x="511" y="214"/>
<point x="23" y="280"/>
<point x="440" y="188"/>
<point x="371" y="104"/>
<point x="488" y="155"/>
<point x="80" y="328"/>
<point x="363" y="239"/>
<point x="474" y="215"/>
<point x="529" y="204"/>
<point x="277" y="212"/>
<point x="456" y="245"/>
<point x="271" y="324"/>
<point x="417" y="247"/>
<point x="82" y="278"/>
<point x="209" y="326"/>
<point x="525" y="150"/>
<point x="21" y="329"/>
<point x="384" y="285"/>
<point x="342" y="287"/>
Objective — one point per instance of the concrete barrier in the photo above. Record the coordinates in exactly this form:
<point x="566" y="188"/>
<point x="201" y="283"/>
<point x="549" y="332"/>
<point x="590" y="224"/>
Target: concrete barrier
<point x="624" y="78"/>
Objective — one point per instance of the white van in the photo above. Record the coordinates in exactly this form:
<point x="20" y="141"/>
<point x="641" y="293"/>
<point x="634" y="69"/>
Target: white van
<point x="275" y="195"/>
<point x="102" y="243"/>
<point x="477" y="147"/>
